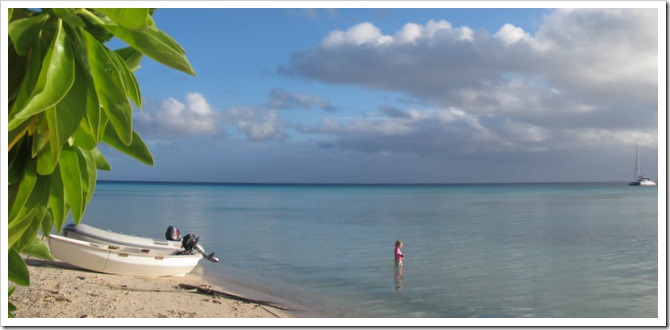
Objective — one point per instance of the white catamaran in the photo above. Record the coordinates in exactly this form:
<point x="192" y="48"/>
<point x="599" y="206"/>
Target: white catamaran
<point x="640" y="180"/>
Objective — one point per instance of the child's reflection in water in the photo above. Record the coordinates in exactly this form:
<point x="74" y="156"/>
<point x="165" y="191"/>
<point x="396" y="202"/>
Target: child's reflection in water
<point x="398" y="277"/>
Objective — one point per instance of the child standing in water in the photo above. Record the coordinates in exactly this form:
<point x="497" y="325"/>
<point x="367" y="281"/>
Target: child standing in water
<point x="398" y="256"/>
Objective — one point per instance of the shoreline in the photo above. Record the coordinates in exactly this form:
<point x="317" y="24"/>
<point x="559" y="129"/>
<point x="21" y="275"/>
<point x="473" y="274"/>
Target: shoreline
<point x="60" y="290"/>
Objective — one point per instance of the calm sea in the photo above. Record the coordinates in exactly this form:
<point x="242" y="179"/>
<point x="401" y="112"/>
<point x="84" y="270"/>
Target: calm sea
<point x="504" y="250"/>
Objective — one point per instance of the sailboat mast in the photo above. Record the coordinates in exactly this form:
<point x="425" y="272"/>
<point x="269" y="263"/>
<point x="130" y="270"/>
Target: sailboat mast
<point x="637" y="161"/>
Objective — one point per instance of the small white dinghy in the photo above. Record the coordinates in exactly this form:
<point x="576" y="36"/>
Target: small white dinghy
<point x="173" y="242"/>
<point x="91" y="234"/>
<point x="121" y="260"/>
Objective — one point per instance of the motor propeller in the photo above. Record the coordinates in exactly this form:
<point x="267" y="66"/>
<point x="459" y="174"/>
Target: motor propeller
<point x="190" y="243"/>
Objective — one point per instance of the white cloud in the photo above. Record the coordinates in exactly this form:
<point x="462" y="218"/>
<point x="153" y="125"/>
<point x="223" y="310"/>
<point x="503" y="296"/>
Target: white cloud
<point x="172" y="117"/>
<point x="198" y="104"/>
<point x="364" y="33"/>
<point x="583" y="53"/>
<point x="434" y="26"/>
<point x="435" y="133"/>
<point x="586" y="70"/>
<point x="263" y="123"/>
<point x="510" y="34"/>
<point x="196" y="117"/>
<point x="409" y="33"/>
<point x="256" y="124"/>
<point x="601" y="53"/>
<point x="594" y="136"/>
<point x="367" y="33"/>
<point x="263" y="129"/>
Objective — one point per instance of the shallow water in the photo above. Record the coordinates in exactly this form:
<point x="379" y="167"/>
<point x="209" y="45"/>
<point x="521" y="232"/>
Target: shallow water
<point x="504" y="250"/>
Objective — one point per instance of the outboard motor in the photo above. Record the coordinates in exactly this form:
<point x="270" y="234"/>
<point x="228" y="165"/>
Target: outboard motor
<point x="190" y="242"/>
<point x="172" y="234"/>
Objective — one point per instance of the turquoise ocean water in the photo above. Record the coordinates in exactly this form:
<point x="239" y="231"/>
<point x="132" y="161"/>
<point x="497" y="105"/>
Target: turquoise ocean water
<point x="501" y="250"/>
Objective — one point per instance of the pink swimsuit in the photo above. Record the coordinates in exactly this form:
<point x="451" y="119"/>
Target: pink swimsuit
<point x="398" y="256"/>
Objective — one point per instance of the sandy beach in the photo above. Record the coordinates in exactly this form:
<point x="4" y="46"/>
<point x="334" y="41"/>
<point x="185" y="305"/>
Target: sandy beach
<point x="60" y="290"/>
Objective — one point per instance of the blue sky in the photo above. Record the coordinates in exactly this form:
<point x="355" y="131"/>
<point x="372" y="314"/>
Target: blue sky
<point x="419" y="95"/>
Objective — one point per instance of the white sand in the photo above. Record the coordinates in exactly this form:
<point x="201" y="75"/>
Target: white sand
<point x="59" y="290"/>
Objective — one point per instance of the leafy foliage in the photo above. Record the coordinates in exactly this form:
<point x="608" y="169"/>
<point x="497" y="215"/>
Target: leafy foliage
<point x="67" y="93"/>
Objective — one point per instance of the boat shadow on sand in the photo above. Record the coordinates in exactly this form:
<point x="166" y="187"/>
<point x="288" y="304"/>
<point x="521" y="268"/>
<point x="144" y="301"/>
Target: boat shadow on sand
<point x="55" y="264"/>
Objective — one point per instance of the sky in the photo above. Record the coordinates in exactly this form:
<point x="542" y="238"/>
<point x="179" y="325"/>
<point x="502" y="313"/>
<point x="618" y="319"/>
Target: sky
<point x="405" y="95"/>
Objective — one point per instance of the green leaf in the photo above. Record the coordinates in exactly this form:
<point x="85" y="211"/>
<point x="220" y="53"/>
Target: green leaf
<point x="84" y="137"/>
<point x="26" y="222"/>
<point x="56" y="202"/>
<point x="155" y="44"/>
<point x="41" y="135"/>
<point x="38" y="249"/>
<point x="17" y="271"/>
<point x="63" y="121"/>
<point x="72" y="108"/>
<point x="17" y="159"/>
<point x="131" y="56"/>
<point x="37" y="206"/>
<point x="71" y="178"/>
<point x="137" y="149"/>
<point x="171" y="42"/>
<point x="129" y="18"/>
<point x="93" y="26"/>
<point x="100" y="161"/>
<point x="27" y="86"/>
<point x="132" y="88"/>
<point x="47" y="158"/>
<point x="98" y="119"/>
<point x="56" y="76"/>
<point x="78" y="42"/>
<point x="25" y="32"/>
<point x="10" y="307"/>
<point x="89" y="133"/>
<point x="15" y="73"/>
<point x="69" y="16"/>
<point x="110" y="87"/>
<point x="18" y="227"/>
<point x="17" y="135"/>
<point x="47" y="222"/>
<point x="25" y="189"/>
<point x="91" y="129"/>
<point x="88" y="173"/>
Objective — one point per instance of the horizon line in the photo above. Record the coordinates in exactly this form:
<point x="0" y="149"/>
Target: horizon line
<point x="348" y="183"/>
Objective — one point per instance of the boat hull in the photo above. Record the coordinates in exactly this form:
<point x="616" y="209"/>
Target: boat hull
<point x="91" y="234"/>
<point x="120" y="260"/>
<point x="644" y="183"/>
